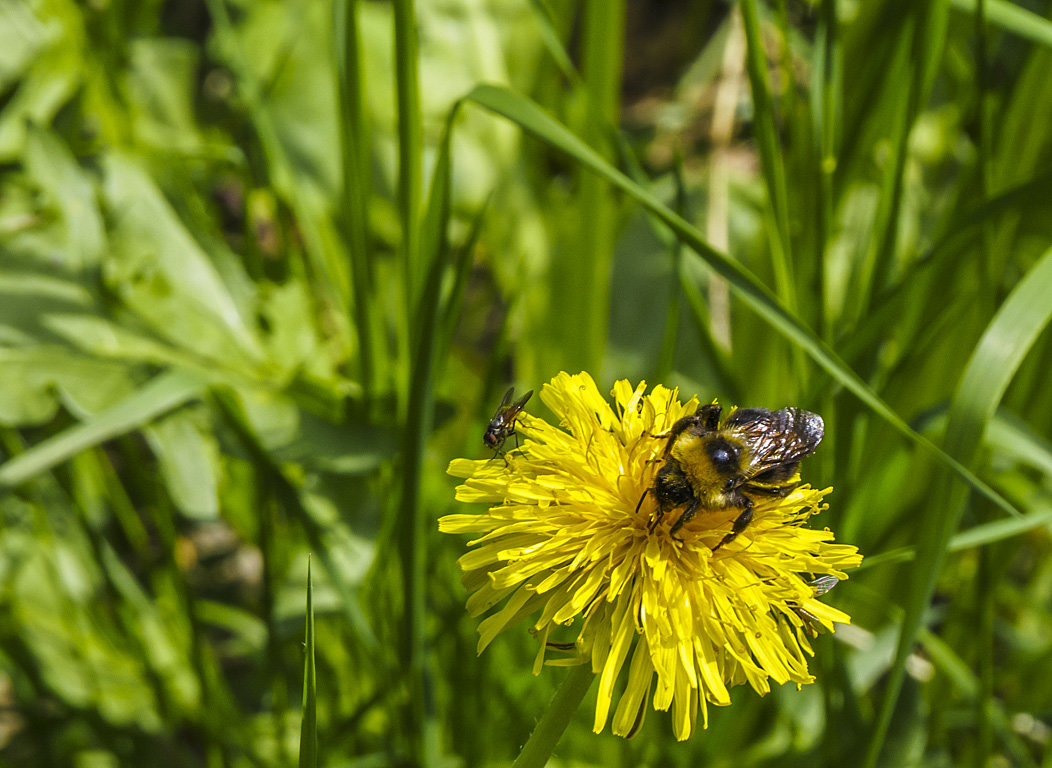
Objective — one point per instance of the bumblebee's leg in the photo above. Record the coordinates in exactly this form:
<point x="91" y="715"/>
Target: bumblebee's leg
<point x="740" y="523"/>
<point x="685" y="518"/>
<point x="656" y="520"/>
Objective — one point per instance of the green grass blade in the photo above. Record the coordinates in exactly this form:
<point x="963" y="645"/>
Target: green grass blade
<point x="582" y="280"/>
<point x="355" y="142"/>
<point x="826" y="82"/>
<point x="993" y="363"/>
<point x="668" y="339"/>
<point x="682" y="285"/>
<point x="770" y="153"/>
<point x="964" y="232"/>
<point x="977" y="536"/>
<point x="889" y="208"/>
<point x="410" y="141"/>
<point x="164" y="393"/>
<point x="1000" y="352"/>
<point x="552" y="43"/>
<point x="309" y="724"/>
<point x="747" y="286"/>
<point x="454" y="300"/>
<point x="984" y="577"/>
<point x="412" y="525"/>
<point x="1012" y="18"/>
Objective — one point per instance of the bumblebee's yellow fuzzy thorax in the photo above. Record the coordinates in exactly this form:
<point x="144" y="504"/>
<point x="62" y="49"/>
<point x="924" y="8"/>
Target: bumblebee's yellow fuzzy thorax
<point x="705" y="479"/>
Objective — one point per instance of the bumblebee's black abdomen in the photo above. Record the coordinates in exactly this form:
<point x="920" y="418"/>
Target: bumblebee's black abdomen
<point x="671" y="487"/>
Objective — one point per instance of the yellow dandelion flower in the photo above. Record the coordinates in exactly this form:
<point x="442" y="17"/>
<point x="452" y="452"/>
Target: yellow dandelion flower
<point x="567" y="541"/>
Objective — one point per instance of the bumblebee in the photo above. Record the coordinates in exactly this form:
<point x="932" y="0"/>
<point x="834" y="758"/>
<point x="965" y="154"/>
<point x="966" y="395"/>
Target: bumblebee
<point x="753" y="453"/>
<point x="502" y="425"/>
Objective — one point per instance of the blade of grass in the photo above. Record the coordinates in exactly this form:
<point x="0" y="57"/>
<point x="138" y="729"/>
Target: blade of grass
<point x="1012" y="18"/>
<point x="717" y="318"/>
<point x="550" y="37"/>
<point x="410" y="171"/>
<point x="309" y="724"/>
<point x="923" y="40"/>
<point x="411" y="524"/>
<point x="961" y="234"/>
<point x="668" y="340"/>
<point x="993" y="363"/>
<point x="701" y="313"/>
<point x="886" y="222"/>
<point x="748" y="287"/>
<point x="357" y="187"/>
<point x="581" y="287"/>
<point x="825" y="115"/>
<point x="982" y="588"/>
<point x="461" y="270"/>
<point x="977" y="536"/>
<point x="162" y="394"/>
<point x="785" y="66"/>
<point x="770" y="154"/>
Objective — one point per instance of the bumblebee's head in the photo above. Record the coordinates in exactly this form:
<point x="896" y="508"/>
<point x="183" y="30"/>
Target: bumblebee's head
<point x="724" y="455"/>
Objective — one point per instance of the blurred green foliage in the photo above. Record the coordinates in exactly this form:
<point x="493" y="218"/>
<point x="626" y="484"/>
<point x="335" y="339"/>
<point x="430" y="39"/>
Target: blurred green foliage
<point x="259" y="283"/>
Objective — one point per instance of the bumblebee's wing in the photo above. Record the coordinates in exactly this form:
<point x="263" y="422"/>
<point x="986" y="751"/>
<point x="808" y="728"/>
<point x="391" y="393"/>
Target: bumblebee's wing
<point x="776" y="438"/>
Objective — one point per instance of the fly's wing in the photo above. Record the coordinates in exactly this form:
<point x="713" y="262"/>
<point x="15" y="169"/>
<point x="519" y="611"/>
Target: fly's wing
<point x="823" y="584"/>
<point x="519" y="404"/>
<point x="777" y="440"/>
<point x="504" y="401"/>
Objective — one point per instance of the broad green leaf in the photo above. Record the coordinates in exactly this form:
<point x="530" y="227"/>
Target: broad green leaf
<point x="51" y="590"/>
<point x="161" y="80"/>
<point x="158" y="269"/>
<point x="30" y="294"/>
<point x="189" y="458"/>
<point x="37" y="379"/>
<point x="47" y="53"/>
<point x="290" y="434"/>
<point x="22" y="36"/>
<point x="71" y="190"/>
<point x="104" y="338"/>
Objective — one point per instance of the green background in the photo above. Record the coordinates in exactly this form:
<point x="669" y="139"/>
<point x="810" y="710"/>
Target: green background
<point x="267" y="266"/>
